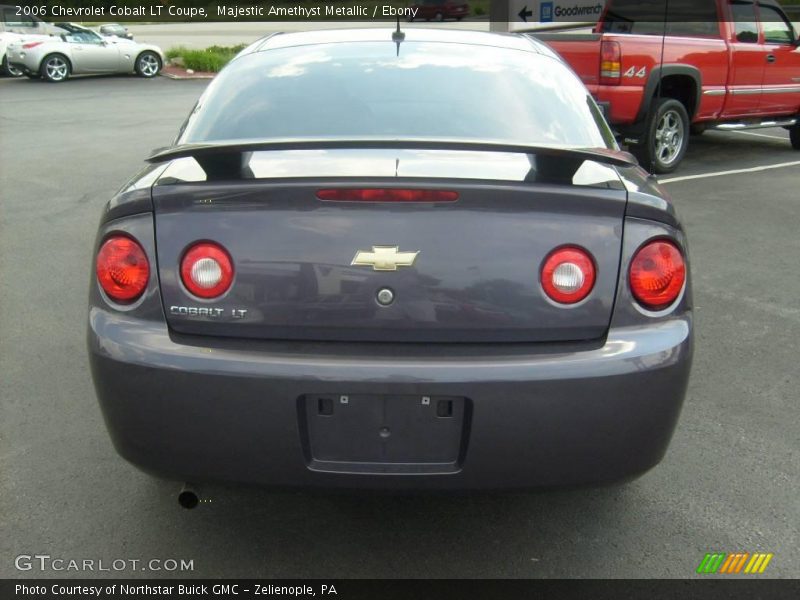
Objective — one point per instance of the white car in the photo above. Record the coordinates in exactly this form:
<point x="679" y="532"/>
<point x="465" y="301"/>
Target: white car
<point x="5" y="39"/>
<point x="80" y="51"/>
<point x="14" y="26"/>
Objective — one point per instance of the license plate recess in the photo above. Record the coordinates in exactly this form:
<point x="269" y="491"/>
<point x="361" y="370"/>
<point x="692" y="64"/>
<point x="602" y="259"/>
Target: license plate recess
<point x="363" y="433"/>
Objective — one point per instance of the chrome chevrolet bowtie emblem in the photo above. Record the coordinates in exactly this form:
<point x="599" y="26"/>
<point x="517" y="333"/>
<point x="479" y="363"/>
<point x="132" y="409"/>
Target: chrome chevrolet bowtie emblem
<point x="384" y="258"/>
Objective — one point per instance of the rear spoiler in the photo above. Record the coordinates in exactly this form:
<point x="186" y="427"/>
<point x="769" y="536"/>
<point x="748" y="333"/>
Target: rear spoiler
<point x="220" y="149"/>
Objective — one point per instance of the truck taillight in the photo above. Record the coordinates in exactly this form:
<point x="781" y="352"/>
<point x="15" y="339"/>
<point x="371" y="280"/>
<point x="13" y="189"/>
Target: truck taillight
<point x="610" y="63"/>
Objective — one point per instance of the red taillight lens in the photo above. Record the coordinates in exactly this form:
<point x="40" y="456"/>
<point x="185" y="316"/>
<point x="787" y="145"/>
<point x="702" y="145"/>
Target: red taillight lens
<point x="610" y="63"/>
<point x="122" y="269"/>
<point x="386" y="195"/>
<point x="568" y="275"/>
<point x="657" y="274"/>
<point x="207" y="270"/>
<point x="30" y="45"/>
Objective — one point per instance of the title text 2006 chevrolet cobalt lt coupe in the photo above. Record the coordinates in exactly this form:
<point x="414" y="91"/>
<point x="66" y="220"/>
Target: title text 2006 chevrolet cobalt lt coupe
<point x="376" y="259"/>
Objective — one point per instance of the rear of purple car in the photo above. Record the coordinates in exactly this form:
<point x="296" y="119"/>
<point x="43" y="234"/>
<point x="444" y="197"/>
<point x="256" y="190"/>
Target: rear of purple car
<point x="378" y="263"/>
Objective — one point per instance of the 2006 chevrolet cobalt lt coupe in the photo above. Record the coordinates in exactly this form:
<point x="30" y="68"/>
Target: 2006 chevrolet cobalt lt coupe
<point x="380" y="259"/>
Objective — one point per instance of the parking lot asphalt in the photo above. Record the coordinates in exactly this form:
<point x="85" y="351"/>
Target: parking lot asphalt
<point x="729" y="481"/>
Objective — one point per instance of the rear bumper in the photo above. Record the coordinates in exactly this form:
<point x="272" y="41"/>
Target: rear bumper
<point x="21" y="67"/>
<point x="538" y="418"/>
<point x="26" y="65"/>
<point x="622" y="102"/>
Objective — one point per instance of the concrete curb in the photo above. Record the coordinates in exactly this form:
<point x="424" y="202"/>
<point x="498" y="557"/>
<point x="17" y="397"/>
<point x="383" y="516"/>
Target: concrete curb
<point x="178" y="77"/>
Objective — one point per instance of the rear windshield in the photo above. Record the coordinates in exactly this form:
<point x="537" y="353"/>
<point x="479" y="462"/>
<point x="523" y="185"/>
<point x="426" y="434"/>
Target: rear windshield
<point x="686" y="18"/>
<point x="430" y="90"/>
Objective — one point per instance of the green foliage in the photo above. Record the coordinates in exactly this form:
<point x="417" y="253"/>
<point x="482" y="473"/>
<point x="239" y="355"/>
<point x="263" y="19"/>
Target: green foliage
<point x="175" y="52"/>
<point x="210" y="60"/>
<point x="232" y="50"/>
<point x="479" y="7"/>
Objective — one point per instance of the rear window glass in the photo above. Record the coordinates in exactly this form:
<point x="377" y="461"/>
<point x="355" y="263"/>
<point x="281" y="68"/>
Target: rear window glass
<point x="429" y="90"/>
<point x="688" y="18"/>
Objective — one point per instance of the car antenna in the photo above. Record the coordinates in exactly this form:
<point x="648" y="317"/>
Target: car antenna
<point x="660" y="79"/>
<point x="398" y="36"/>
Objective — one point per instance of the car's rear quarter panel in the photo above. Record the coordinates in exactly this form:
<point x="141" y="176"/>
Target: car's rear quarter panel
<point x="643" y="54"/>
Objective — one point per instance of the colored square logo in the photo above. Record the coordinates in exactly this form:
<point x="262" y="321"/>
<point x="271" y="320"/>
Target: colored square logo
<point x="546" y="12"/>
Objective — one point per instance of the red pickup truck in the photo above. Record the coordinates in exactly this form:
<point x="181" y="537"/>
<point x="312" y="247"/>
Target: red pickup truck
<point x="729" y="64"/>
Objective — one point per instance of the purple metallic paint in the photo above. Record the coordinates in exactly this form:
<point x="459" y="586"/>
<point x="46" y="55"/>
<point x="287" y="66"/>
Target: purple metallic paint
<point x="207" y="408"/>
<point x="544" y="395"/>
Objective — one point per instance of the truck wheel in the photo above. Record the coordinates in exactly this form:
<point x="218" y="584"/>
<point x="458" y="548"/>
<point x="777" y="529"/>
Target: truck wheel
<point x="666" y="137"/>
<point x="794" y="136"/>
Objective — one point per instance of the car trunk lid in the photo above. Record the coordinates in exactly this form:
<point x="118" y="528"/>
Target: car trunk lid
<point x="457" y="271"/>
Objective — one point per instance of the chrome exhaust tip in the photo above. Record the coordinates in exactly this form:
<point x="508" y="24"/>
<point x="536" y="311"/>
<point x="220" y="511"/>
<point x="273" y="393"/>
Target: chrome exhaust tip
<point x="189" y="496"/>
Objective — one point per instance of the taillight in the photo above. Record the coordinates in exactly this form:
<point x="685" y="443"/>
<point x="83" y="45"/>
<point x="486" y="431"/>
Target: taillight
<point x="657" y="274"/>
<point x="30" y="45"/>
<point x="386" y="195"/>
<point x="122" y="269"/>
<point x="610" y="63"/>
<point x="207" y="270"/>
<point x="568" y="275"/>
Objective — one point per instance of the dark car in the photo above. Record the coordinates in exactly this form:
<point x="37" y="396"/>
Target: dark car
<point x="115" y="29"/>
<point x="439" y="10"/>
<point x="329" y="280"/>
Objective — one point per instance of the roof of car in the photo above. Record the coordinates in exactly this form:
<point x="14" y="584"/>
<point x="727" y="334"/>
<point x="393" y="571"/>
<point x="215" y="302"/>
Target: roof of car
<point x="334" y="36"/>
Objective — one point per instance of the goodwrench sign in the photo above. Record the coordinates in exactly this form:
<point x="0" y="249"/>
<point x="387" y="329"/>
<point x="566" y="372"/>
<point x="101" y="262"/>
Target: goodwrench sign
<point x="534" y="12"/>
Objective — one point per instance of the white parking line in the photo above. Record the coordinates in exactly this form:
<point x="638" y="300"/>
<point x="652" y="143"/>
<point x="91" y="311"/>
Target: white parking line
<point x="733" y="172"/>
<point x="764" y="135"/>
